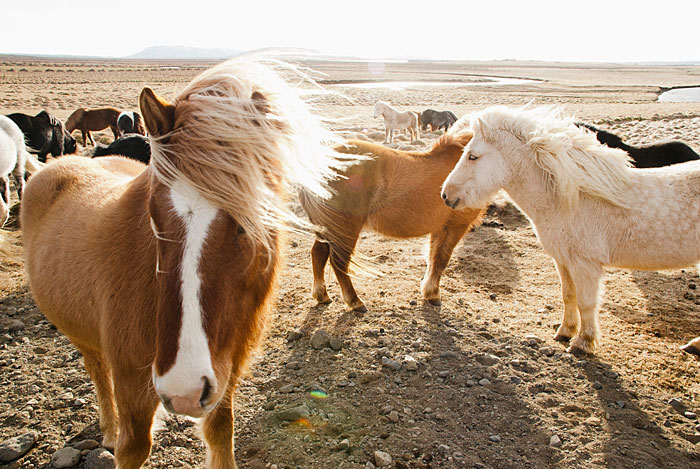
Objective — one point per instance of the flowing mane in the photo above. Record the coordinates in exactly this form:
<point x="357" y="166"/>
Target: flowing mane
<point x="572" y="158"/>
<point x="251" y="114"/>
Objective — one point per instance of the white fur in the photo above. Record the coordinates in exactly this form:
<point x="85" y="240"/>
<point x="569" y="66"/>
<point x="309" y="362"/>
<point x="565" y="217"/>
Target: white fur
<point x="587" y="206"/>
<point x="14" y="159"/>
<point x="193" y="361"/>
<point x="395" y="120"/>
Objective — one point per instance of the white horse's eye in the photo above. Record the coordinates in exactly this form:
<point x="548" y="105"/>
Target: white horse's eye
<point x="473" y="157"/>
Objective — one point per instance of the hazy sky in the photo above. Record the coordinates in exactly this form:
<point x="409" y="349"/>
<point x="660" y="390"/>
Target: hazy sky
<point x="587" y="30"/>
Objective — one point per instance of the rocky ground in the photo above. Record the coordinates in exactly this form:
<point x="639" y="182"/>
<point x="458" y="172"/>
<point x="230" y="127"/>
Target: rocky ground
<point x="477" y="382"/>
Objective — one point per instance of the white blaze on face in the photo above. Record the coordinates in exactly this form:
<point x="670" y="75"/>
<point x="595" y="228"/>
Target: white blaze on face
<point x="193" y="360"/>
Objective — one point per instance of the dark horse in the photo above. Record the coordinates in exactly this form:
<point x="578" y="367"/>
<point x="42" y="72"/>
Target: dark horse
<point x="134" y="146"/>
<point x="44" y="134"/>
<point x="87" y="120"/>
<point x="652" y="155"/>
<point x="129" y="122"/>
<point x="437" y="119"/>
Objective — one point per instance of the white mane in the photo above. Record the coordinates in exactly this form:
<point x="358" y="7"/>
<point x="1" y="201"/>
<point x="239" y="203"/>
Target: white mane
<point x="243" y="139"/>
<point x="572" y="158"/>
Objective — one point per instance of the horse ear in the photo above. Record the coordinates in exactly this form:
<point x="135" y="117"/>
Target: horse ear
<point x="483" y="128"/>
<point x="158" y="114"/>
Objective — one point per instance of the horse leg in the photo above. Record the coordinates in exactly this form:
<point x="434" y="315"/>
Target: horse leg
<point x="102" y="378"/>
<point x="442" y="243"/>
<point x="586" y="277"/>
<point x="341" y="252"/>
<point x="570" y="321"/>
<point x="115" y="131"/>
<point x="136" y="404"/>
<point x="218" y="433"/>
<point x="20" y="176"/>
<point x="386" y="133"/>
<point x="692" y="347"/>
<point x="319" y="257"/>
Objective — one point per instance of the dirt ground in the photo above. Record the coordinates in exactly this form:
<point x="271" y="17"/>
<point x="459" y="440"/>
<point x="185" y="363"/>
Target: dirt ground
<point x="491" y="389"/>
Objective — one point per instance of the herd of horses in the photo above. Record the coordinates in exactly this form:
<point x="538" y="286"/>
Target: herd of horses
<point x="165" y="274"/>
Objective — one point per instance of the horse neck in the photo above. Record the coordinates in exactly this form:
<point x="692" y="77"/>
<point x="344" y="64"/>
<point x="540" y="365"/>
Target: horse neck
<point x="526" y="185"/>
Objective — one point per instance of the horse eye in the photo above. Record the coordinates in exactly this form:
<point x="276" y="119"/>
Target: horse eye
<point x="473" y="157"/>
<point x="240" y="231"/>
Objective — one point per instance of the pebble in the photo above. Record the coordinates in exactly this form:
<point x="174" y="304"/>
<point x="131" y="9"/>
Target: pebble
<point x="531" y="338"/>
<point x="515" y="380"/>
<point x="555" y="441"/>
<point x="344" y="445"/>
<point x="593" y="421"/>
<point x="382" y="459"/>
<point x="85" y="444"/>
<point x="410" y="363"/>
<point x="495" y="438"/>
<point x="293" y="336"/>
<point x="100" y="458"/>
<point x="621" y="404"/>
<point x="15" y="325"/>
<point x="690" y="415"/>
<point x="443" y="449"/>
<point x="484" y="382"/>
<point x="335" y="344"/>
<point x="597" y="385"/>
<point x="320" y="339"/>
<point x="394" y="416"/>
<point x="65" y="457"/>
<point x="488" y="359"/>
<point x="295" y="413"/>
<point x="16" y="447"/>
<point x="287" y="388"/>
<point x="392" y="364"/>
<point x="676" y="403"/>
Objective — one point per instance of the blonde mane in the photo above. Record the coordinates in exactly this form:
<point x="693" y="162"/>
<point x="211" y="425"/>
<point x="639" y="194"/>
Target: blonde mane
<point x="573" y="160"/>
<point x="243" y="138"/>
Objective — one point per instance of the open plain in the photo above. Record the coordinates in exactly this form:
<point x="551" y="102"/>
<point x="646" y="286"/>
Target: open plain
<point x="491" y="388"/>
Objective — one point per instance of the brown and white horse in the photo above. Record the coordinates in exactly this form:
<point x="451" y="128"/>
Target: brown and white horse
<point x="87" y="120"/>
<point x="161" y="275"/>
<point x="395" y="193"/>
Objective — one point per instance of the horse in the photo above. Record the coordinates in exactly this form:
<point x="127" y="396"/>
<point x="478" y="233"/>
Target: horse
<point x="653" y="155"/>
<point x="130" y="122"/>
<point x="14" y="159"/>
<point x="395" y="120"/>
<point x="165" y="275"/>
<point x="395" y="193"/>
<point x="44" y="134"/>
<point x="87" y="120"/>
<point x="588" y="206"/>
<point x="134" y="146"/>
<point x="437" y="119"/>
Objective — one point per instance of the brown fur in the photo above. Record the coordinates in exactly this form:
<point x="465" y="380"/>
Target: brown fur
<point x="113" y="306"/>
<point x="87" y="120"/>
<point x="395" y="193"/>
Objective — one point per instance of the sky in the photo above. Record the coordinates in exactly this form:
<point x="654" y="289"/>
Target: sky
<point x="551" y="30"/>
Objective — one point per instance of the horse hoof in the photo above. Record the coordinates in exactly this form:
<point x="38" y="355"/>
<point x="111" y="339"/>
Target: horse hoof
<point x="690" y="348"/>
<point x="562" y="338"/>
<point x="435" y="302"/>
<point x="360" y="309"/>
<point x="578" y="351"/>
<point x="324" y="301"/>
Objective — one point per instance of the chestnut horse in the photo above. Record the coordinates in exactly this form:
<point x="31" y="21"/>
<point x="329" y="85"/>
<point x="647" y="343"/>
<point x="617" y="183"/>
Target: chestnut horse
<point x="395" y="193"/>
<point x="87" y="120"/>
<point x="163" y="277"/>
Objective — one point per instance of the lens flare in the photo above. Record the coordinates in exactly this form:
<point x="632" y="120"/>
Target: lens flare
<point x="303" y="422"/>
<point x="318" y="394"/>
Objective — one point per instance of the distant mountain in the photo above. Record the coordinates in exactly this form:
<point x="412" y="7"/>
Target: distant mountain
<point x="183" y="52"/>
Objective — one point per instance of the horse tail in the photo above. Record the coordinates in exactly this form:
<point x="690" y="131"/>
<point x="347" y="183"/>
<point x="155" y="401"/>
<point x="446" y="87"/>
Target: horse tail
<point x="325" y="220"/>
<point x="31" y="164"/>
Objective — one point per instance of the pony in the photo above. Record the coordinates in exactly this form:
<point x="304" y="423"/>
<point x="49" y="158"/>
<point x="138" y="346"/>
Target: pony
<point x="44" y="134"/>
<point x="130" y="122"/>
<point x="437" y="119"/>
<point x="14" y="159"/>
<point x="588" y="206"/>
<point x="395" y="193"/>
<point x="395" y="120"/>
<point x="164" y="278"/>
<point x="134" y="146"/>
<point x="87" y="120"/>
<point x="653" y="155"/>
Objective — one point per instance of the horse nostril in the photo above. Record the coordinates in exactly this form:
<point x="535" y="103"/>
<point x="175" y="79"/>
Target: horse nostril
<point x="206" y="392"/>
<point x="444" y="196"/>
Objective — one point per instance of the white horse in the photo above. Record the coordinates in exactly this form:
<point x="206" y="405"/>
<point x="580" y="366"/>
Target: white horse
<point x="586" y="203"/>
<point x="395" y="120"/>
<point x="14" y="158"/>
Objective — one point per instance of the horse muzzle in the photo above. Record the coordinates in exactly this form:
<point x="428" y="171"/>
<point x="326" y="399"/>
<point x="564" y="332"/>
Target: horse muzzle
<point x="195" y="403"/>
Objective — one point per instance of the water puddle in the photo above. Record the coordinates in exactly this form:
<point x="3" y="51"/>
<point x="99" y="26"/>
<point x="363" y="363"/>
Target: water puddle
<point x="681" y="95"/>
<point x="402" y="85"/>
